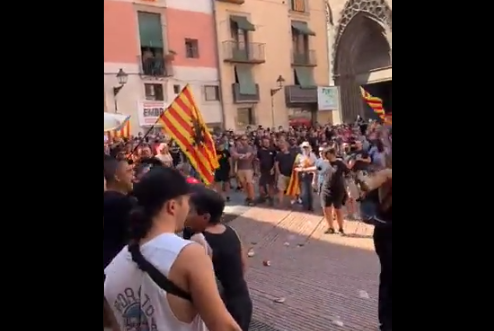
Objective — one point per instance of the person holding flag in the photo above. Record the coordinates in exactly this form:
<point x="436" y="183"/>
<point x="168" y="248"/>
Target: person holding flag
<point x="183" y="123"/>
<point x="306" y="160"/>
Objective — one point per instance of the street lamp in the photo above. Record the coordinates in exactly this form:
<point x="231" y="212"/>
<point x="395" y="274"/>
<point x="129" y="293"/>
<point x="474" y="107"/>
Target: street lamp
<point x="280" y="82"/>
<point x="122" y="80"/>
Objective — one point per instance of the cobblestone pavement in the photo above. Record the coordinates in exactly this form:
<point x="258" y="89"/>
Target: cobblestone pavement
<point x="328" y="282"/>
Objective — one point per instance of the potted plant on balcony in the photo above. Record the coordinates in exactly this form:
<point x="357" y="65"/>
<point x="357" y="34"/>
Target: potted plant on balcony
<point x="170" y="56"/>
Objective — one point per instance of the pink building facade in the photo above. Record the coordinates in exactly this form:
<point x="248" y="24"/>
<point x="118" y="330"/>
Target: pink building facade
<point x="162" y="45"/>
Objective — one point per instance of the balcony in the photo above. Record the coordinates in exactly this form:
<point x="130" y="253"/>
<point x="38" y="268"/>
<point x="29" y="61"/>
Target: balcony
<point x="240" y="52"/>
<point x="155" y="67"/>
<point x="237" y="2"/>
<point x="304" y="59"/>
<point x="244" y="98"/>
<point x="295" y="94"/>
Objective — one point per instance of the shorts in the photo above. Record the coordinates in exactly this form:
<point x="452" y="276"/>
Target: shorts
<point x="283" y="182"/>
<point x="246" y="175"/>
<point x="334" y="198"/>
<point x="221" y="176"/>
<point x="266" y="179"/>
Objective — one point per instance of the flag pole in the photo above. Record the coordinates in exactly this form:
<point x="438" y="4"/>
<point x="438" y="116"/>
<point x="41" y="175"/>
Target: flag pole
<point x="157" y="120"/>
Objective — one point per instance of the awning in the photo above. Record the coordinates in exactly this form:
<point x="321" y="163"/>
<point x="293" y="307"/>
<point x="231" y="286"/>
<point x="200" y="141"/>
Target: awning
<point x="243" y="23"/>
<point x="302" y="28"/>
<point x="245" y="80"/>
<point x="305" y="77"/>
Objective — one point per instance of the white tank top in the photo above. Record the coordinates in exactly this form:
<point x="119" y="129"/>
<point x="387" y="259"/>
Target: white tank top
<point x="137" y="302"/>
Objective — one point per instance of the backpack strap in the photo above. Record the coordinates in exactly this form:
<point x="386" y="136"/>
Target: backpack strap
<point x="161" y="280"/>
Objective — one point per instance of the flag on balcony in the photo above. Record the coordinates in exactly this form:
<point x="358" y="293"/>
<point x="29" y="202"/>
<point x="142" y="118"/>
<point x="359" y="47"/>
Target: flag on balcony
<point x="377" y="106"/>
<point x="183" y="122"/>
<point x="122" y="132"/>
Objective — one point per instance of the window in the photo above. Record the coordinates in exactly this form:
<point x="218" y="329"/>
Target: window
<point x="192" y="48"/>
<point x="176" y="89"/>
<point x="154" y="92"/>
<point x="151" y="41"/>
<point x="212" y="93"/>
<point x="245" y="117"/>
<point x="241" y="36"/>
<point x="300" y="42"/>
<point x="298" y="6"/>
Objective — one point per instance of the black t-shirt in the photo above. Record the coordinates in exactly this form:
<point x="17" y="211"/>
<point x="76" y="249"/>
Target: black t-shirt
<point x="285" y="163"/>
<point x="116" y="210"/>
<point x="360" y="165"/>
<point x="337" y="180"/>
<point x="295" y="149"/>
<point x="227" y="262"/>
<point x="223" y="160"/>
<point x="266" y="158"/>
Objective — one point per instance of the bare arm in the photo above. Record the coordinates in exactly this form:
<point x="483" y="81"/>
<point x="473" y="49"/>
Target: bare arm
<point x="379" y="178"/>
<point x="277" y="168"/>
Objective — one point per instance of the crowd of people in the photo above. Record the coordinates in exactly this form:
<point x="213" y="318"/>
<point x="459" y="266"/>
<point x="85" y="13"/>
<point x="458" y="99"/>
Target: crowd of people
<point x="151" y="188"/>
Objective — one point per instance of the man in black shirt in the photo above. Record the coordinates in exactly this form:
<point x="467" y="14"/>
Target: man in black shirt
<point x="116" y="207"/>
<point x="283" y="165"/>
<point x="266" y="158"/>
<point x="360" y="159"/>
<point x="223" y="173"/>
<point x="334" y="193"/>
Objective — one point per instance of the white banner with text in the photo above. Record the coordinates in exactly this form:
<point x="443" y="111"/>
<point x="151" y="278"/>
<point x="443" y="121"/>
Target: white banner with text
<point x="149" y="111"/>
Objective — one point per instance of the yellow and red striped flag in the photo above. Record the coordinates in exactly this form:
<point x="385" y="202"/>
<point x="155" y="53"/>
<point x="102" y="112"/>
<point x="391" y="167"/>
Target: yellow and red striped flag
<point x="293" y="188"/>
<point x="122" y="132"/>
<point x="178" y="122"/>
<point x="377" y="106"/>
<point x="388" y="119"/>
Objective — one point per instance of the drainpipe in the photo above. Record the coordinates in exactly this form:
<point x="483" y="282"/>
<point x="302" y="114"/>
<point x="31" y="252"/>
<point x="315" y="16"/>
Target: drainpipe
<point x="218" y="63"/>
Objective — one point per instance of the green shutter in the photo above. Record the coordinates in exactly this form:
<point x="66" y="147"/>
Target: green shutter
<point x="243" y="23"/>
<point x="245" y="80"/>
<point x="305" y="77"/>
<point x="150" y="29"/>
<point x="302" y="28"/>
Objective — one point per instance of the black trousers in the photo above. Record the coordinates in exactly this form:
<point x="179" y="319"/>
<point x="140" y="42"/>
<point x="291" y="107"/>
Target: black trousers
<point x="241" y="310"/>
<point x="383" y="243"/>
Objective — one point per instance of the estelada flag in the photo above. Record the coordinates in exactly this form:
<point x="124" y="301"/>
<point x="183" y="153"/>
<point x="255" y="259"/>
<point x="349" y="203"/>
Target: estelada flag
<point x="375" y="103"/>
<point x="179" y="121"/>
<point x="122" y="132"/>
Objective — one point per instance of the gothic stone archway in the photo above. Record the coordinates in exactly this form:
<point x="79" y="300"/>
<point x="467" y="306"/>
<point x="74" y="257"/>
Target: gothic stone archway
<point x="360" y="46"/>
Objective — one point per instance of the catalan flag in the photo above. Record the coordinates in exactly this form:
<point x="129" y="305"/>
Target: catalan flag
<point x="377" y="106"/>
<point x="178" y="121"/>
<point x="293" y="188"/>
<point x="122" y="132"/>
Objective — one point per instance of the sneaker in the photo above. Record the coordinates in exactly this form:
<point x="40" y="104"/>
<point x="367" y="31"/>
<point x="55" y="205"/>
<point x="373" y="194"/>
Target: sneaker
<point x="329" y="231"/>
<point x="341" y="232"/>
